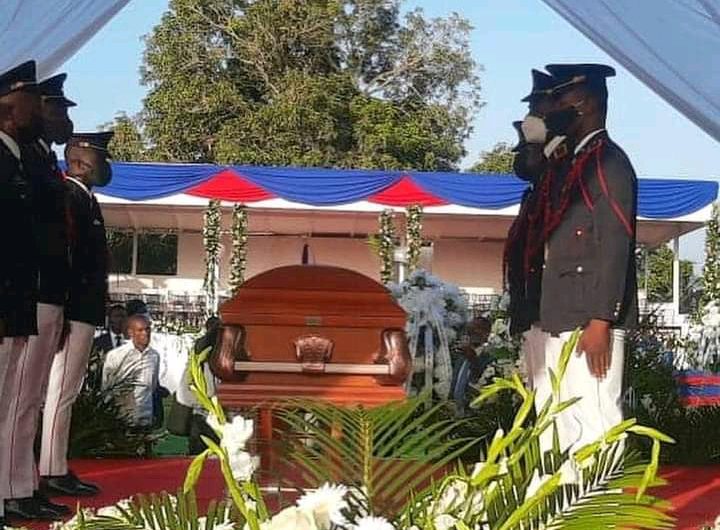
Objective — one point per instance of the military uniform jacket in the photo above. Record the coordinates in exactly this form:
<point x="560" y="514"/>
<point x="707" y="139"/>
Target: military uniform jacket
<point x="50" y="223"/>
<point x="590" y="255"/>
<point x="88" y="256"/>
<point x="18" y="265"/>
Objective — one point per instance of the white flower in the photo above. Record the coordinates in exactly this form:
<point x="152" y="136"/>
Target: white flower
<point x="109" y="511"/>
<point x="222" y="526"/>
<point x="445" y="522"/>
<point x="373" y="523"/>
<point x="243" y="465"/>
<point x="452" y="496"/>
<point x="292" y="518"/>
<point x="235" y="434"/>
<point x="326" y="504"/>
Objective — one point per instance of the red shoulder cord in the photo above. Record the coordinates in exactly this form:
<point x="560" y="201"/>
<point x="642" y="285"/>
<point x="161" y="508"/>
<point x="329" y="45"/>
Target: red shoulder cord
<point x="552" y="217"/>
<point x="613" y="203"/>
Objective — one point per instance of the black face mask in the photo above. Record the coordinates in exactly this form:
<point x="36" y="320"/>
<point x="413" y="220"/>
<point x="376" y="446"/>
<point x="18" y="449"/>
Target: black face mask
<point x="558" y="122"/>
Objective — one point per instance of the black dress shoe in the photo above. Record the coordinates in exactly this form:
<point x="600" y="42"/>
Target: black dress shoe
<point x="42" y="500"/>
<point x="28" y="509"/>
<point x="68" y="485"/>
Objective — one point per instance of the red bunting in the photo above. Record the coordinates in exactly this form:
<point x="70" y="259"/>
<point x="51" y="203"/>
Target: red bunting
<point x="406" y="193"/>
<point x="229" y="186"/>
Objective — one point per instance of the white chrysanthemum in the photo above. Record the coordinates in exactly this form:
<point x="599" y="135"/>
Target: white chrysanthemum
<point x="109" y="511"/>
<point x="373" y="523"/>
<point x="292" y="518"/>
<point x="326" y="504"/>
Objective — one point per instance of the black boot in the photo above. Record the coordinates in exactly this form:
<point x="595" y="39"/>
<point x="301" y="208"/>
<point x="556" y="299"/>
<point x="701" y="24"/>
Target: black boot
<point x="68" y="485"/>
<point x="28" y="509"/>
<point x="42" y="500"/>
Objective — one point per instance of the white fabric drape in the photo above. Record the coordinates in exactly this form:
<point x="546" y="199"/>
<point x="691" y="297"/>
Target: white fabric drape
<point x="673" y="46"/>
<point x="50" y="31"/>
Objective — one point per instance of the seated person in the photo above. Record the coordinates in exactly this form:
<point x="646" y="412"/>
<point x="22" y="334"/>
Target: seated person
<point x="472" y="363"/>
<point x="138" y="364"/>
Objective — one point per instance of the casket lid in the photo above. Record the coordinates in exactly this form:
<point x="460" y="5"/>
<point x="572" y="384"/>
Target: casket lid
<point x="310" y="292"/>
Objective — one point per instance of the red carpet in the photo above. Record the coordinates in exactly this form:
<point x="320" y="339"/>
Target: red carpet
<point x="694" y="492"/>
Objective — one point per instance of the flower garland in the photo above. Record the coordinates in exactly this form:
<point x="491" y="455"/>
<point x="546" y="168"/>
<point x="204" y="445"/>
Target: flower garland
<point x="711" y="270"/>
<point x="211" y="241"/>
<point x="386" y="245"/>
<point x="414" y="236"/>
<point x="238" y="263"/>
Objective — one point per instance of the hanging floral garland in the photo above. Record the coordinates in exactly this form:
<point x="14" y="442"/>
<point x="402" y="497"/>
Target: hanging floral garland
<point x="413" y="232"/>
<point x="238" y="263"/>
<point x="711" y="270"/>
<point x="386" y="246"/>
<point x="211" y="241"/>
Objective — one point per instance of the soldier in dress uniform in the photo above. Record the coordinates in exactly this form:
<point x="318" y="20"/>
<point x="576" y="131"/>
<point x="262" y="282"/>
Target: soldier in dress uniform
<point x="536" y="151"/>
<point x="87" y="166"/>
<point x="24" y="499"/>
<point x="20" y="122"/>
<point x="586" y="245"/>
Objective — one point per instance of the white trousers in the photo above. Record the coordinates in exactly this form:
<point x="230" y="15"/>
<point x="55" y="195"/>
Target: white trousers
<point x="11" y="350"/>
<point x="600" y="406"/>
<point x="67" y="374"/>
<point x="19" y="479"/>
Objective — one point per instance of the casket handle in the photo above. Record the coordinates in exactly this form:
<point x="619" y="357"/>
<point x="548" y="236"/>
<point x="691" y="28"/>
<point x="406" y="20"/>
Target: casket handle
<point x="395" y="353"/>
<point x="229" y="348"/>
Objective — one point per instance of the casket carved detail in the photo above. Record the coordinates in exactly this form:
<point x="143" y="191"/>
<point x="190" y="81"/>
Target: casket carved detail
<point x="313" y="351"/>
<point x="229" y="349"/>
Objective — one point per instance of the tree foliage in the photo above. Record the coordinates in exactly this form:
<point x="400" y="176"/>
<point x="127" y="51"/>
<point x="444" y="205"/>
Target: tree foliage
<point x="343" y="83"/>
<point x="127" y="145"/>
<point x="498" y="160"/>
<point x="657" y="275"/>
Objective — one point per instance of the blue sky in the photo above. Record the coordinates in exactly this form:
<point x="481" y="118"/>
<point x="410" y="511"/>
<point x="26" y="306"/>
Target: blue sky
<point x="510" y="38"/>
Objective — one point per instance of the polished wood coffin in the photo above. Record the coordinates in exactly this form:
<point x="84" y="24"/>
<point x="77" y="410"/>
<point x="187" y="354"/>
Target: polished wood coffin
<point x="310" y="331"/>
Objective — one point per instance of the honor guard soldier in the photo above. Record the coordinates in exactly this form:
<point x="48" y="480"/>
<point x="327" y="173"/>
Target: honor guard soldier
<point x="536" y="151"/>
<point x="586" y="243"/>
<point x="24" y="500"/>
<point x="88" y="165"/>
<point x="20" y="123"/>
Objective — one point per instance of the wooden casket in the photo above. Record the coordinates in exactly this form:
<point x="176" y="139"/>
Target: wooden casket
<point x="309" y="331"/>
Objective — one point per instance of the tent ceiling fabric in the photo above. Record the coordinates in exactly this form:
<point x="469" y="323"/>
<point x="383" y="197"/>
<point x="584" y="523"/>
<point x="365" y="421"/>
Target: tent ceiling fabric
<point x="50" y="32"/>
<point x="670" y="45"/>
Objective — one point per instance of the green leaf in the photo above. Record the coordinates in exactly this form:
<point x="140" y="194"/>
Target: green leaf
<point x="193" y="473"/>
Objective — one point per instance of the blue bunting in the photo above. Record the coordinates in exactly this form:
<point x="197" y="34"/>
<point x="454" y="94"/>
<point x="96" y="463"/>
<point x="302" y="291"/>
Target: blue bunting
<point x="657" y="198"/>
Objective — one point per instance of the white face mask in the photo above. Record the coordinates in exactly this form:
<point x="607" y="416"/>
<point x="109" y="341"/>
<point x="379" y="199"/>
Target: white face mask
<point x="534" y="130"/>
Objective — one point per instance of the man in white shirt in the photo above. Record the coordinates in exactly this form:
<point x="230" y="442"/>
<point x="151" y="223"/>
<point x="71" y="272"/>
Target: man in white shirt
<point x="139" y="365"/>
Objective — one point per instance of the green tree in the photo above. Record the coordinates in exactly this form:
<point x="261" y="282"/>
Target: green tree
<point x="127" y="145"/>
<point x="657" y="275"/>
<point x="498" y="160"/>
<point x="344" y="83"/>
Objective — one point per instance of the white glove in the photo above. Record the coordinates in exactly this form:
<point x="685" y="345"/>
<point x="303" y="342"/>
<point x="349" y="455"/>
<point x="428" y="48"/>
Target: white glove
<point x="534" y="130"/>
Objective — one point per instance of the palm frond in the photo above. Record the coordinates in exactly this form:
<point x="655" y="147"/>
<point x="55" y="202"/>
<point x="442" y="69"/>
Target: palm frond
<point x="382" y="453"/>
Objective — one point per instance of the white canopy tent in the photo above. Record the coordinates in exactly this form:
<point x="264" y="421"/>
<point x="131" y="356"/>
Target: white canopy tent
<point x="670" y="45"/>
